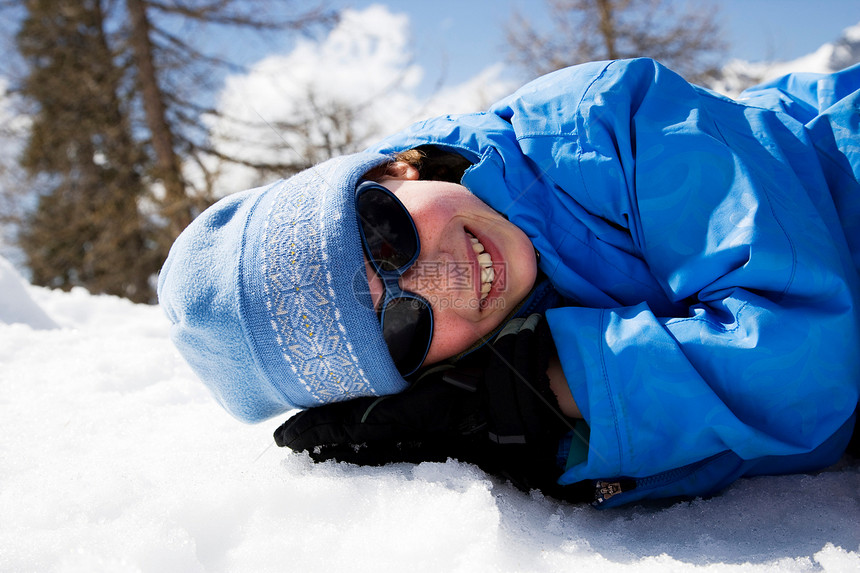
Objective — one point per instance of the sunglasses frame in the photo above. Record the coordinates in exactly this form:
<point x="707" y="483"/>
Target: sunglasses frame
<point x="391" y="290"/>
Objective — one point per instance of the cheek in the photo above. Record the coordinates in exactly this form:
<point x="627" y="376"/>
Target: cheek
<point x="453" y="334"/>
<point x="432" y="222"/>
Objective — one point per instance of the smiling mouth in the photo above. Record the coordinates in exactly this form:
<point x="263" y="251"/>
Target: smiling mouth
<point x="486" y="263"/>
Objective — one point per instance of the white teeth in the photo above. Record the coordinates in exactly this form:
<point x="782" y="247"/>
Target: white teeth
<point x="486" y="262"/>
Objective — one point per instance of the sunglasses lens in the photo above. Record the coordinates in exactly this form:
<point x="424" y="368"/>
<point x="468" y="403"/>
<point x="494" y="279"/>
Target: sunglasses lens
<point x="391" y="241"/>
<point x="407" y="326"/>
<point x="389" y="233"/>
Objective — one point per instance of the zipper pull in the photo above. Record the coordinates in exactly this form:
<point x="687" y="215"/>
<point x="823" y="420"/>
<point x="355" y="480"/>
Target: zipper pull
<point x="603" y="490"/>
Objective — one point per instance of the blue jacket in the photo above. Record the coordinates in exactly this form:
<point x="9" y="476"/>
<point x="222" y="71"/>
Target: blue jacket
<point x="708" y="249"/>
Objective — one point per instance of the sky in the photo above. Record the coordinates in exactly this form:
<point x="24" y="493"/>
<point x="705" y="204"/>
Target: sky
<point x="399" y="63"/>
<point x="453" y="40"/>
<point x="787" y="29"/>
<point x="463" y="37"/>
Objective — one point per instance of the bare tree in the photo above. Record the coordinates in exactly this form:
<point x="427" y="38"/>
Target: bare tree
<point x="163" y="62"/>
<point x="687" y="39"/>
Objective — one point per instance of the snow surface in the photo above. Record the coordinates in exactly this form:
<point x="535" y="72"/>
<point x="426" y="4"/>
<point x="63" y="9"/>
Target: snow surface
<point x="113" y="457"/>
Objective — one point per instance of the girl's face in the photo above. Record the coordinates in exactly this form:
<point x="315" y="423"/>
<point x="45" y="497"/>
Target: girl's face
<point x="474" y="267"/>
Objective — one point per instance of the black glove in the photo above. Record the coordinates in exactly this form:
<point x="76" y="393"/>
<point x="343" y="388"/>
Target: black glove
<point x="429" y="421"/>
<point x="520" y="406"/>
<point x="524" y="422"/>
<point x="494" y="409"/>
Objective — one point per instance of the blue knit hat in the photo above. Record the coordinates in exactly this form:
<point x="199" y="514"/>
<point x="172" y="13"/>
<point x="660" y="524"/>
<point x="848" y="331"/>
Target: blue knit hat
<point x="268" y="296"/>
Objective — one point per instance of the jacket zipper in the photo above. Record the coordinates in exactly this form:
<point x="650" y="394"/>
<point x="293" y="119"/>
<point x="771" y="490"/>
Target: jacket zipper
<point x="604" y="490"/>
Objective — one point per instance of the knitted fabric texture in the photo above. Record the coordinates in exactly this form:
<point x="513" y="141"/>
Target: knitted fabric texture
<point x="268" y="297"/>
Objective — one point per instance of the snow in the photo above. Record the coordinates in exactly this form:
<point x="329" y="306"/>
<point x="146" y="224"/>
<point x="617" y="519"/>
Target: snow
<point x="831" y="57"/>
<point x="115" y="458"/>
<point x="16" y="305"/>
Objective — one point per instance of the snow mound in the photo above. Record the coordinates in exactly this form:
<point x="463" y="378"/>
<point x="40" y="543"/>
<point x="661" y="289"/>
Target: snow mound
<point x="16" y="305"/>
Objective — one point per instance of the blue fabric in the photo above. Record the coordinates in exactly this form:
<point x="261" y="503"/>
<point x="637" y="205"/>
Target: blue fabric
<point x="710" y="250"/>
<point x="268" y="296"/>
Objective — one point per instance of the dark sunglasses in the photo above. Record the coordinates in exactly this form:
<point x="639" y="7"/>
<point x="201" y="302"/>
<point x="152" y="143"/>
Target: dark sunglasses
<point x="391" y="244"/>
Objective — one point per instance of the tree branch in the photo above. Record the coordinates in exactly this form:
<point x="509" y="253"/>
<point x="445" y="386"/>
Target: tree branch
<point x="217" y="12"/>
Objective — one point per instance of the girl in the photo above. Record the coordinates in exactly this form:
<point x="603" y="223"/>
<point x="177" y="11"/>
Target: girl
<point x="674" y="274"/>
